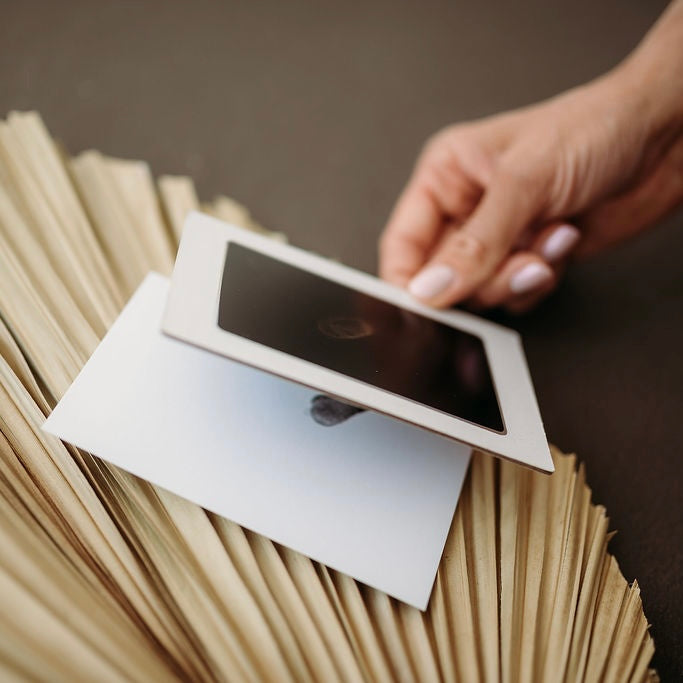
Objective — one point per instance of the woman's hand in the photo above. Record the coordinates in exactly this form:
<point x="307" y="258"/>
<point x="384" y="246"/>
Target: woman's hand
<point x="495" y="208"/>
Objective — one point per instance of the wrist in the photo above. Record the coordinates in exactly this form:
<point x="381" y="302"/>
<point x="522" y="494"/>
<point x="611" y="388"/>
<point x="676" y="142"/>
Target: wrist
<point x="656" y="94"/>
<point x="652" y="76"/>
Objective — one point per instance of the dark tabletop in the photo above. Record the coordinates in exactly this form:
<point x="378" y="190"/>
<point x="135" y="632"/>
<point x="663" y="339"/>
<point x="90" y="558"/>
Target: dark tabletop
<point x="312" y="114"/>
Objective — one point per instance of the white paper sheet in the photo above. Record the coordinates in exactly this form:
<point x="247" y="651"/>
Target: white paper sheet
<point x="371" y="497"/>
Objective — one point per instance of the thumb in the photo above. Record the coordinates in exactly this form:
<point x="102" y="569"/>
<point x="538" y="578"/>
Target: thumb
<point x="467" y="256"/>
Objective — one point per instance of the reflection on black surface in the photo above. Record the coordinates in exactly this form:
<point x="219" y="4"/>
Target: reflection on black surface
<point x="323" y="322"/>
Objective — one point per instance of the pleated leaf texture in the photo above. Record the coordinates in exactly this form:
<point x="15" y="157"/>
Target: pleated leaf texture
<point x="104" y="577"/>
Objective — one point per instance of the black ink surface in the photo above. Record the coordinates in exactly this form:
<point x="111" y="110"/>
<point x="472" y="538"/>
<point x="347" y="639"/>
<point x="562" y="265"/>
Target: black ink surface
<point x="320" y="321"/>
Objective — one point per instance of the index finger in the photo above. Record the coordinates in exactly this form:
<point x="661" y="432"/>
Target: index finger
<point x="410" y="234"/>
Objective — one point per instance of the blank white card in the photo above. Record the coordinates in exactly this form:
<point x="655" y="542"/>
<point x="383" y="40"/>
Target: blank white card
<point x="371" y="497"/>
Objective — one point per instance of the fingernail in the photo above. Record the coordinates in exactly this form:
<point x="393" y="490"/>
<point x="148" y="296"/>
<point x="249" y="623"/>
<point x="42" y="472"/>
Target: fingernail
<point x="431" y="281"/>
<point x="530" y="277"/>
<point x="560" y="243"/>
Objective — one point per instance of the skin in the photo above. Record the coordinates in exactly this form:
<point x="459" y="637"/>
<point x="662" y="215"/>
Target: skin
<point x="601" y="163"/>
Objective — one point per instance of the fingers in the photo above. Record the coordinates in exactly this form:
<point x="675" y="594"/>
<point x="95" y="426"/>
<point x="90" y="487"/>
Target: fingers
<point x="523" y="274"/>
<point x="526" y="277"/>
<point x="468" y="257"/>
<point x="439" y="191"/>
<point x="442" y="264"/>
<point x="556" y="242"/>
<point x="409" y="236"/>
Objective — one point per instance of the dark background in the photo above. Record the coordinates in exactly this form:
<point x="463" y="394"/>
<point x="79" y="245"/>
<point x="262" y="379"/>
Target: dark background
<point x="312" y="114"/>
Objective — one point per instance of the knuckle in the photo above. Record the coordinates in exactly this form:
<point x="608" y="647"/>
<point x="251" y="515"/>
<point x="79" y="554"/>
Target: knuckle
<point x="438" y="144"/>
<point x="514" y="175"/>
<point x="431" y="146"/>
<point x="470" y="249"/>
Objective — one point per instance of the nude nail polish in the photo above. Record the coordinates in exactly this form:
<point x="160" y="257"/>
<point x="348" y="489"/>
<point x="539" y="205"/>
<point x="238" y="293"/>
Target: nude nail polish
<point x="560" y="242"/>
<point x="431" y="281"/>
<point x="530" y="277"/>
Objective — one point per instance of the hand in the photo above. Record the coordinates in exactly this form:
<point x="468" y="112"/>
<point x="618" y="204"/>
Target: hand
<point x="495" y="208"/>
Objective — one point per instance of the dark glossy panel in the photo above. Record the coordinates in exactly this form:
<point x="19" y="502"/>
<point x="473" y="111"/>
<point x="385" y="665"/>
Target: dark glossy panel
<point x="323" y="322"/>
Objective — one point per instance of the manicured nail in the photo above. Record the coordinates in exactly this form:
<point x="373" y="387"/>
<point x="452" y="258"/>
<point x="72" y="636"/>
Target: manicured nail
<point x="530" y="277"/>
<point x="560" y="243"/>
<point x="431" y="281"/>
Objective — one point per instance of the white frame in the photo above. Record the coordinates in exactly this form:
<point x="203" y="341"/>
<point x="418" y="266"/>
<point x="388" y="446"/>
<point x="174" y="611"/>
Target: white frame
<point x="191" y="315"/>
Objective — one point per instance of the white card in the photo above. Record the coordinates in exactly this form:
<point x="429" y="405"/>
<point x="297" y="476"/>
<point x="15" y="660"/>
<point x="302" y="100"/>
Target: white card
<point x="371" y="497"/>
